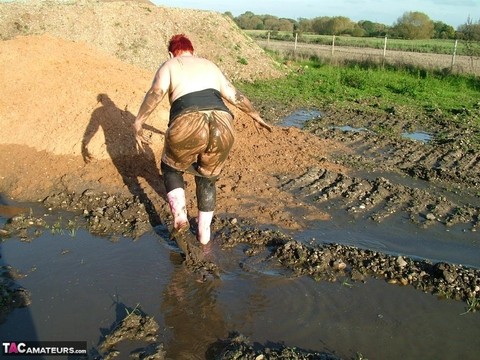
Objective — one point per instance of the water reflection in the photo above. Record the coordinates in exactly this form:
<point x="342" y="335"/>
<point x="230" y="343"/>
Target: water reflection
<point x="192" y="314"/>
<point x="72" y="300"/>
<point x="299" y="117"/>
<point x="13" y="297"/>
<point x="348" y="128"/>
<point x="418" y="136"/>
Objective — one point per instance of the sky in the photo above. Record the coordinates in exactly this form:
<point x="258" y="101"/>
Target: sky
<point x="387" y="12"/>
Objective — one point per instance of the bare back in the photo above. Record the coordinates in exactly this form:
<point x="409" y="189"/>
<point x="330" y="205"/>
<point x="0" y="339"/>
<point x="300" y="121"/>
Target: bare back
<point x="189" y="73"/>
<point x="186" y="73"/>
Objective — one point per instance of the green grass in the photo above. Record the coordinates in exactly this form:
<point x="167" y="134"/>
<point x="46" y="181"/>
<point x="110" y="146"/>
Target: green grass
<point x="473" y="304"/>
<point x="431" y="98"/>
<point x="322" y="85"/>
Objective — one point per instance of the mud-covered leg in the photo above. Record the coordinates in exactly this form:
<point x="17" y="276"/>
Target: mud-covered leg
<point x="206" y="198"/>
<point x="174" y="185"/>
<point x="176" y="201"/>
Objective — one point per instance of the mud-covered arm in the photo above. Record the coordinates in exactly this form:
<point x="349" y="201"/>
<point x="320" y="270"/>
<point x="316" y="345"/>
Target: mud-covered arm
<point x="153" y="97"/>
<point x="236" y="98"/>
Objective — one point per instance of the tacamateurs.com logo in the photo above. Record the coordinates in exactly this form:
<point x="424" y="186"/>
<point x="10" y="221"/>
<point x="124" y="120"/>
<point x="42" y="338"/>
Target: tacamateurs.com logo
<point x="19" y="348"/>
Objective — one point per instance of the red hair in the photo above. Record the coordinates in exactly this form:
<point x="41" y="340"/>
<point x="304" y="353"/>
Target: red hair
<point x="180" y="43"/>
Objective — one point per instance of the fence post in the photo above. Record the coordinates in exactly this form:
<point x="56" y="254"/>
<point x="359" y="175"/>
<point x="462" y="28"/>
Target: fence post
<point x="385" y="47"/>
<point x="268" y="38"/>
<point x="454" y="52"/>
<point x="296" y="38"/>
<point x="333" y="44"/>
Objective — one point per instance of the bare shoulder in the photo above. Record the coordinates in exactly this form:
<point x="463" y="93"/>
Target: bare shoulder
<point x="206" y="61"/>
<point x="167" y="64"/>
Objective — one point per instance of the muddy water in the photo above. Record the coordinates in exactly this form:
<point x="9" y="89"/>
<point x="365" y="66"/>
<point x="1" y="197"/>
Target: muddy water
<point x="299" y="117"/>
<point x="82" y="285"/>
<point x="399" y="237"/>
<point x="456" y="244"/>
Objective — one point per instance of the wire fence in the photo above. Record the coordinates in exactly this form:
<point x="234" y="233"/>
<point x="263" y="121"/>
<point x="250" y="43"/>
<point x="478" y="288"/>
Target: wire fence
<point x="452" y="63"/>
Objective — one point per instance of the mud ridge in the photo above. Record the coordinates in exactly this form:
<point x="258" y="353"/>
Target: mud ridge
<point x="432" y="182"/>
<point x="449" y="156"/>
<point x="380" y="198"/>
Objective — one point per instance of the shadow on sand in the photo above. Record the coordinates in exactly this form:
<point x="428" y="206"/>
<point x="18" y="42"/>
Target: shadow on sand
<point x="120" y="144"/>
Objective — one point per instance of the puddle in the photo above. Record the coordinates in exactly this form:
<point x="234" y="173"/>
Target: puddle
<point x="299" y="117"/>
<point x="77" y="283"/>
<point x="418" y="136"/>
<point x="348" y="128"/>
<point x="399" y="237"/>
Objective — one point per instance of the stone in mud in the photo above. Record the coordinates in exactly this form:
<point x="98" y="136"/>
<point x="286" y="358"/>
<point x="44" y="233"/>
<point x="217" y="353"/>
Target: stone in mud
<point x="237" y="346"/>
<point x="357" y="275"/>
<point x="401" y="262"/>
<point x="339" y="265"/>
<point x="136" y="326"/>
<point x="430" y="216"/>
<point x="12" y="296"/>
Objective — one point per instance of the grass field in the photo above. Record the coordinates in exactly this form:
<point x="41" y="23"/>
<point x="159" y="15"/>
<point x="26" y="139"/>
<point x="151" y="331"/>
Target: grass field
<point x="453" y="97"/>
<point x="437" y="46"/>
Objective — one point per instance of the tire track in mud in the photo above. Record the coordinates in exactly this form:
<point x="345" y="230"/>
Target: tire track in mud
<point x="434" y="182"/>
<point x="449" y="156"/>
<point x="380" y="198"/>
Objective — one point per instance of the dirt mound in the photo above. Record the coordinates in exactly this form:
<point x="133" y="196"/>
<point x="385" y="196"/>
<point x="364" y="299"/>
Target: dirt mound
<point x="75" y="91"/>
<point x="64" y="99"/>
<point x="53" y="90"/>
<point x="137" y="32"/>
<point x="74" y="75"/>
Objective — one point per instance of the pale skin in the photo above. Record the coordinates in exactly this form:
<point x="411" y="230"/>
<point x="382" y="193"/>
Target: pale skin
<point x="181" y="75"/>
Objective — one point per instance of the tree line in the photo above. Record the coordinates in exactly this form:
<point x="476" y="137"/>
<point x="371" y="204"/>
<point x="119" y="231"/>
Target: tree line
<point x="411" y="25"/>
